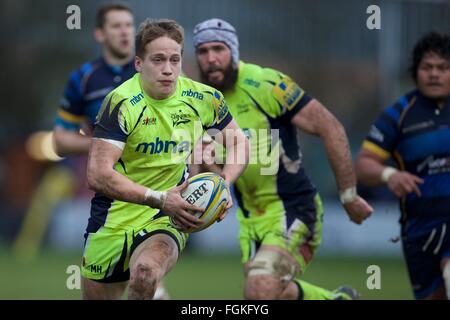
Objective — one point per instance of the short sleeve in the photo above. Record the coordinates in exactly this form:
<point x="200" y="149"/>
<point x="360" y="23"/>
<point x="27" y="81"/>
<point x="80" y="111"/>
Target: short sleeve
<point x="113" y="120"/>
<point x="220" y="113"/>
<point x="70" y="112"/>
<point x="275" y="94"/>
<point x="383" y="136"/>
<point x="289" y="97"/>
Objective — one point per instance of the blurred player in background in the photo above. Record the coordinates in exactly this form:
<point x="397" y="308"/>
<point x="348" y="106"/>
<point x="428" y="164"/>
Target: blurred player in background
<point x="280" y="214"/>
<point x="137" y="165"/>
<point x="415" y="131"/>
<point x="88" y="86"/>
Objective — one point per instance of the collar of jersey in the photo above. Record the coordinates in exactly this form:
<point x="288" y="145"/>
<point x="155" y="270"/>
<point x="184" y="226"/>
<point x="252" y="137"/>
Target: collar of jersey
<point x="432" y="102"/>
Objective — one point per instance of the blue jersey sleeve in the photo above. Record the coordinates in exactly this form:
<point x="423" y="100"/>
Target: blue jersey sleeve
<point x="70" y="112"/>
<point x="383" y="136"/>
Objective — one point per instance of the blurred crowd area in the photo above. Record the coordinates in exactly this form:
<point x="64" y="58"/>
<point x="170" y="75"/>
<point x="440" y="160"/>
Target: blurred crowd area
<point x="324" y="45"/>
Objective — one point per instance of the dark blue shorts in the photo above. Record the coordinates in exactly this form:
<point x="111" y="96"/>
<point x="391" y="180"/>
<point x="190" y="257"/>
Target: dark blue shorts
<point x="423" y="254"/>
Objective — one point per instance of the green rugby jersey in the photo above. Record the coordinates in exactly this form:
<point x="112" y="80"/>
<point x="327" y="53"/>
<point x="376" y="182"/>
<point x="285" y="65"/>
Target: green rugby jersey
<point x="157" y="136"/>
<point x="262" y="100"/>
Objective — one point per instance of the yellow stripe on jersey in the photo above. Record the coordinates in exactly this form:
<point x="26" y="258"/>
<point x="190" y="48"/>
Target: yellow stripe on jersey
<point x="399" y="160"/>
<point x="69" y="117"/>
<point x="376" y="149"/>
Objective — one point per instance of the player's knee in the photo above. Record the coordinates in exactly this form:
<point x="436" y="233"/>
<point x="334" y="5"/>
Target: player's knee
<point x="263" y="287"/>
<point x="268" y="274"/>
<point x="143" y="281"/>
<point x="93" y="290"/>
<point x="272" y="263"/>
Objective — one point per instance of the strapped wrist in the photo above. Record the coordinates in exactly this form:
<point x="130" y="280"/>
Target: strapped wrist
<point x="348" y="195"/>
<point x="155" y="199"/>
<point x="387" y="173"/>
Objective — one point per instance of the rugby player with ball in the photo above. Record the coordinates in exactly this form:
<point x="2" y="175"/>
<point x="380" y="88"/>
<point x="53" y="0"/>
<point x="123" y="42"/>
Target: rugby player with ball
<point x="137" y="166"/>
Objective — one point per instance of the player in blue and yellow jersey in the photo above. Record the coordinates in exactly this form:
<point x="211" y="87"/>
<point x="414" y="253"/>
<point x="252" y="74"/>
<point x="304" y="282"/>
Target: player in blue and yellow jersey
<point x="280" y="212"/>
<point x="415" y="132"/>
<point x="88" y="86"/>
<point x="145" y="132"/>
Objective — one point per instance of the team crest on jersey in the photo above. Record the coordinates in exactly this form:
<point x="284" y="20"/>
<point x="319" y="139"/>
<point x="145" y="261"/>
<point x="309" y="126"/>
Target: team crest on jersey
<point x="287" y="93"/>
<point x="220" y="106"/>
<point x="179" y="118"/>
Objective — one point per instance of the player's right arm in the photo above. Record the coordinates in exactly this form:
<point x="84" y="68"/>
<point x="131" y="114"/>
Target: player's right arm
<point x="370" y="165"/>
<point x="315" y="119"/>
<point x="372" y="171"/>
<point x="67" y="139"/>
<point x="102" y="178"/>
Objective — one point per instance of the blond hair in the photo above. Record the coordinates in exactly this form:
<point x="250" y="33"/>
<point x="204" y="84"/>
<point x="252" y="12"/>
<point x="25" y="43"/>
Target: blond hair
<point x="150" y="30"/>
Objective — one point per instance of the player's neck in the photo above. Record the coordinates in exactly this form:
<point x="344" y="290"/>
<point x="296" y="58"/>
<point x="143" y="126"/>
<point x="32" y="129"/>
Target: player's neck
<point x="114" y="60"/>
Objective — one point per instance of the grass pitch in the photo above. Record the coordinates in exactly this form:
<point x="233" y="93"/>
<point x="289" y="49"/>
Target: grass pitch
<point x="200" y="276"/>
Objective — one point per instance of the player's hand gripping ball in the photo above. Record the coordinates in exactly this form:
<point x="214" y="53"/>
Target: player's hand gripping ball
<point x="208" y="191"/>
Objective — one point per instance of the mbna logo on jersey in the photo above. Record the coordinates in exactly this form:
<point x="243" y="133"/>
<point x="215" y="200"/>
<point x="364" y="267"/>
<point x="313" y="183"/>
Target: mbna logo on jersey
<point x="162" y="146"/>
<point x="192" y="94"/>
<point x="136" y="99"/>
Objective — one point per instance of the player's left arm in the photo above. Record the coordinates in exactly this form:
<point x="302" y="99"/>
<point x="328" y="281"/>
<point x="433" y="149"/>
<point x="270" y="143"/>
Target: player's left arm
<point x="237" y="150"/>
<point x="315" y="119"/>
<point x="236" y="144"/>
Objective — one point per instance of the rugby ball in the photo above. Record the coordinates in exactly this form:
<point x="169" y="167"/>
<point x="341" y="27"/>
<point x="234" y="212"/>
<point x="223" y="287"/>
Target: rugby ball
<point x="209" y="191"/>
